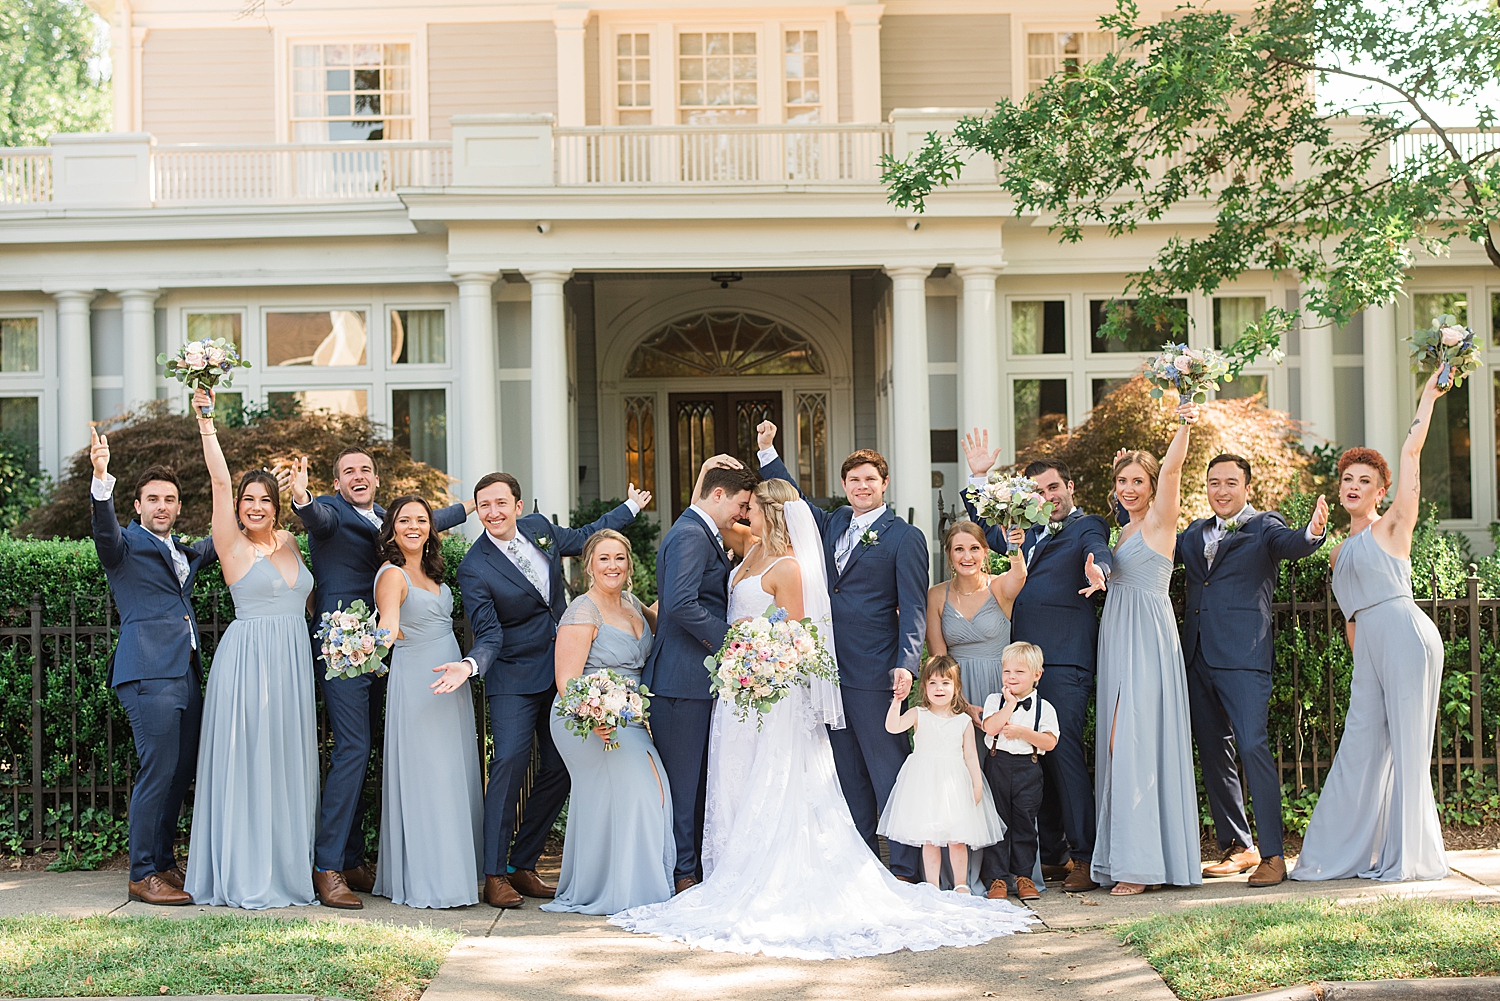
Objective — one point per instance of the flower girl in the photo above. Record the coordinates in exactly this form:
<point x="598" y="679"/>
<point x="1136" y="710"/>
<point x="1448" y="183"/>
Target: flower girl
<point x="940" y="799"/>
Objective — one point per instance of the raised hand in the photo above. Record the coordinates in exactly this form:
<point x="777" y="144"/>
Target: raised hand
<point x="1187" y="412"/>
<point x="977" y="452"/>
<point x="203" y="399"/>
<point x="642" y="498"/>
<point x="99" y="453"/>
<point x="765" y="435"/>
<point x="1095" y="576"/>
<point x="292" y="477"/>
<point x="1016" y="536"/>
<point x="453" y="675"/>
<point x="1319" y="523"/>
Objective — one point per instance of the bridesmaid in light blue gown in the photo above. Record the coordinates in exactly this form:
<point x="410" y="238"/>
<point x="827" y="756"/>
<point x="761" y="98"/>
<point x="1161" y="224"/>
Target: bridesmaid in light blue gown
<point x="432" y="806"/>
<point x="1376" y="817"/>
<point x="1143" y="758"/>
<point x="619" y="851"/>
<point x="255" y="803"/>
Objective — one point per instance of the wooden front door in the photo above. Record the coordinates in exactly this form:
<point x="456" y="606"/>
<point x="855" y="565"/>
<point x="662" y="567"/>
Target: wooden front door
<point x="705" y="424"/>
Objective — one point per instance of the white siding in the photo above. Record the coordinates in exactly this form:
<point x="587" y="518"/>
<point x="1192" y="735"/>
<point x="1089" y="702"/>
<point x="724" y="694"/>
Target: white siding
<point x="487" y="68"/>
<point x="209" y="85"/>
<point x="944" y="60"/>
<point x="846" y="70"/>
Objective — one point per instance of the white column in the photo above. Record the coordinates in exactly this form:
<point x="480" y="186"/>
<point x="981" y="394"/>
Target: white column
<point x="979" y="353"/>
<point x="122" y="69"/>
<point x="139" y="345"/>
<point x="478" y="380"/>
<point x="911" y="437"/>
<point x="75" y="370"/>
<point x="1381" y="366"/>
<point x="552" y="466"/>
<point x="864" y="54"/>
<point x="137" y="62"/>
<point x="569" y="25"/>
<point x="1318" y="410"/>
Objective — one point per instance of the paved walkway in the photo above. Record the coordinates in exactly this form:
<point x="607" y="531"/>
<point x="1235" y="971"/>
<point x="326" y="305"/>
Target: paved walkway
<point x="530" y="954"/>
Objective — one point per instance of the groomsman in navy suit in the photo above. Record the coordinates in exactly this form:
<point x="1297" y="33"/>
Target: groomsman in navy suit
<point x="514" y="594"/>
<point x="877" y="581"/>
<point x="692" y="584"/>
<point x="342" y="532"/>
<point x="1063" y="559"/>
<point x="154" y="669"/>
<point x="1232" y="561"/>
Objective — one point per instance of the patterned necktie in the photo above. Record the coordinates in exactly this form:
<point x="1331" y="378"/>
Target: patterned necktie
<point x="845" y="547"/>
<point x="179" y="563"/>
<point x="1211" y="546"/>
<point x="521" y="561"/>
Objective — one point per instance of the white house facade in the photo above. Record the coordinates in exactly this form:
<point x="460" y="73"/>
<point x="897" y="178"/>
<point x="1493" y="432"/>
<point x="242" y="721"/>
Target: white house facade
<point x="592" y="242"/>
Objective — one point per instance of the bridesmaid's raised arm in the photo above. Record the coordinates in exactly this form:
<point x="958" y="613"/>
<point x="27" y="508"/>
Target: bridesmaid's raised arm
<point x="235" y="554"/>
<point x="1161" y="517"/>
<point x="1400" y="518"/>
<point x="1007" y="585"/>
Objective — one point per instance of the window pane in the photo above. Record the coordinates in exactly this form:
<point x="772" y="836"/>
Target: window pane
<point x="1245" y="385"/>
<point x="354" y="402"/>
<point x="1038" y="327"/>
<point x="1041" y="409"/>
<point x="18" y="420"/>
<point x="417" y="337"/>
<point x="1232" y="314"/>
<point x="640" y="443"/>
<point x="19" y="350"/>
<point x="812" y="443"/>
<point x="1428" y="306"/>
<point x="1446" y="479"/>
<point x="722" y="343"/>
<point x="215" y="325"/>
<point x="419" y="424"/>
<point x="229" y="406"/>
<point x="333" y="337"/>
<point x="1495" y="316"/>
<point x="1103" y="387"/>
<point x="1139" y="337"/>
<point x="333" y="87"/>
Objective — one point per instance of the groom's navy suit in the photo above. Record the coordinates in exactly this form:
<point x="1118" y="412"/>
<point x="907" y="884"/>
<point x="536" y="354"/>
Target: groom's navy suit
<point x="345" y="557"/>
<point x="692" y="583"/>
<point x="879" y="624"/>
<point x="1226" y="643"/>
<point x="154" y="671"/>
<point x="515" y="635"/>
<point x="1051" y="613"/>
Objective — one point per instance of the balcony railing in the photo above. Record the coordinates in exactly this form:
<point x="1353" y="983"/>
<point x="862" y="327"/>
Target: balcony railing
<point x="25" y="175"/>
<point x="302" y="172"/>
<point x="1419" y="142"/>
<point x="739" y="154"/>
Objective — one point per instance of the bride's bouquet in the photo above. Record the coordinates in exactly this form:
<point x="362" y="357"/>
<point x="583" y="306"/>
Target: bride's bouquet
<point x="352" y="643"/>
<point x="1192" y="372"/>
<point x="604" y="698"/>
<point x="1010" y="502"/>
<point x="203" y="364"/>
<point x="1447" y="347"/>
<point x="764" y="658"/>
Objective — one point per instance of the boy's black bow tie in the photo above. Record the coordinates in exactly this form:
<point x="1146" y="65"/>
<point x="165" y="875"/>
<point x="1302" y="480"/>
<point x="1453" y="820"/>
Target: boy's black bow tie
<point x="1024" y="703"/>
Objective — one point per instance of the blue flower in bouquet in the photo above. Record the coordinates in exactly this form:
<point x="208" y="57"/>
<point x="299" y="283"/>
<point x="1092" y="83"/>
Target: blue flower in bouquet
<point x="605" y="698"/>
<point x="1448" y="348"/>
<point x="352" y="642"/>
<point x="764" y="658"/>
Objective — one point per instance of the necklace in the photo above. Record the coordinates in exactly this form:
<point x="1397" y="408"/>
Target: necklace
<point x="981" y="587"/>
<point x="275" y="545"/>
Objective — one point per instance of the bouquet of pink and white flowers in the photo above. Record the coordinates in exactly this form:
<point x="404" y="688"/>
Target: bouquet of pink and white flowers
<point x="1010" y="502"/>
<point x="1192" y="372"/>
<point x="352" y="643"/>
<point x="203" y="364"/>
<point x="604" y="698"/>
<point x="764" y="658"/>
<point x="1447" y="347"/>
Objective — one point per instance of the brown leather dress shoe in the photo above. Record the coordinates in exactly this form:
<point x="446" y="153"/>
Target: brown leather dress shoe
<point x="155" y="890"/>
<point x="998" y="890"/>
<point x="1026" y="889"/>
<point x="333" y="891"/>
<point x="173" y="877"/>
<point x="1271" y="871"/>
<point x="1057" y="871"/>
<point x="361" y="878"/>
<point x="685" y="883"/>
<point x="1079" y="880"/>
<point x="499" y="893"/>
<point x="529" y="884"/>
<point x="1235" y="861"/>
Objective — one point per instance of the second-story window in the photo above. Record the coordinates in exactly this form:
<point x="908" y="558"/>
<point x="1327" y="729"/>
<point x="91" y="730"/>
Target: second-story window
<point x="1048" y="52"/>
<point x="351" y="90"/>
<point x="633" y="78"/>
<point x="717" y="77"/>
<point x="804" y="97"/>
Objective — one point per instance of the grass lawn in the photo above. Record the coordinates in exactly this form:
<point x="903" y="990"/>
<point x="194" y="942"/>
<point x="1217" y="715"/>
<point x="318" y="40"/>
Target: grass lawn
<point x="1221" y="950"/>
<point x="45" y="956"/>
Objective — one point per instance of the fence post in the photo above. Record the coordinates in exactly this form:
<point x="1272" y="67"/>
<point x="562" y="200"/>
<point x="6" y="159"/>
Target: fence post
<point x="36" y="719"/>
<point x="1474" y="706"/>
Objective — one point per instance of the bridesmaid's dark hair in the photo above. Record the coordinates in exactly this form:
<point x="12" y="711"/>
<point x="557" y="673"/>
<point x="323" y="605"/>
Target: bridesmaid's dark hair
<point x="390" y="550"/>
<point x="273" y="488"/>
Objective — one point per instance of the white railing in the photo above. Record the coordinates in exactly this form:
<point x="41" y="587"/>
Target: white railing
<point x="25" y="175"/>
<point x="738" y="154"/>
<point x="1419" y="142"/>
<point x="300" y="172"/>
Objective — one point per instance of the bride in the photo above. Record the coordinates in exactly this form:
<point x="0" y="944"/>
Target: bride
<point x="785" y="871"/>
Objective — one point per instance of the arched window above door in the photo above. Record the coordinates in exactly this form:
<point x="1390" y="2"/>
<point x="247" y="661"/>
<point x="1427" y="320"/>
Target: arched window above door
<point x="724" y="344"/>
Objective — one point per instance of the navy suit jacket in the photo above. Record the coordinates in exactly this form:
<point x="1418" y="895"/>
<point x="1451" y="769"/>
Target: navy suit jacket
<point x="879" y="601"/>
<point x="1049" y="611"/>
<point x="342" y="543"/>
<point x="1234" y="596"/>
<point x="692" y="586"/>
<point x="158" y="627"/>
<point x="515" y="626"/>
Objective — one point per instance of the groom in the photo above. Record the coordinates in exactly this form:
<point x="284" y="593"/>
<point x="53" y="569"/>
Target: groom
<point x="692" y="579"/>
<point x="1232" y="561"/>
<point x="877" y="582"/>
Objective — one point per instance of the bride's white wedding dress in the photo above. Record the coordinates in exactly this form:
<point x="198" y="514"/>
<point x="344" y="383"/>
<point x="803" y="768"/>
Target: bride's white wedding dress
<point x="785" y="871"/>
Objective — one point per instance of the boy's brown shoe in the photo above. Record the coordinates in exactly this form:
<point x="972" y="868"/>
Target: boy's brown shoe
<point x="1026" y="889"/>
<point x="998" y="890"/>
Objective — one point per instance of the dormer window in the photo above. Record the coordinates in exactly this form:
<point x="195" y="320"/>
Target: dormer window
<point x="351" y="90"/>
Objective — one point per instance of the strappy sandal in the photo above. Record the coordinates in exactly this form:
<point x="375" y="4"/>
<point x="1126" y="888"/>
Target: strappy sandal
<point x="1131" y="889"/>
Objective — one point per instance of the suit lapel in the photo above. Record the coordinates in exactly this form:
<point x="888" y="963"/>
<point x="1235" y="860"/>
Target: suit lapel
<point x="352" y="513"/>
<point x="512" y="572"/>
<point x="1228" y="541"/>
<point x="161" y="548"/>
<point x="1046" y="538"/>
<point x="713" y="537"/>
<point x="877" y="527"/>
<point x="554" y="562"/>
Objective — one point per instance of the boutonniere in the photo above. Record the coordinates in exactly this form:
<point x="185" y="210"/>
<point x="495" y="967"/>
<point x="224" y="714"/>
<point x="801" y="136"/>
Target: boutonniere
<point x="1232" y="525"/>
<point x="544" y="544"/>
<point x="870" y="538"/>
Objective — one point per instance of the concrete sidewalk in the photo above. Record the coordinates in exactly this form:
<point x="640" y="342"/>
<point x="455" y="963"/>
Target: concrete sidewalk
<point x="531" y="954"/>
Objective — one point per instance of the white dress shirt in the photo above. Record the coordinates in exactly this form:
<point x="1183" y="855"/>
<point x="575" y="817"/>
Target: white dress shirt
<point x="541" y="563"/>
<point x="1040" y="708"/>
